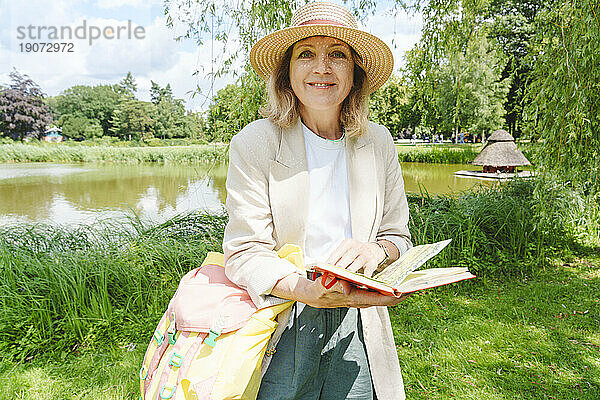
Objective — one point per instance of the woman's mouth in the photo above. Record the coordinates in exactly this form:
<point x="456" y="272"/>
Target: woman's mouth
<point x="321" y="85"/>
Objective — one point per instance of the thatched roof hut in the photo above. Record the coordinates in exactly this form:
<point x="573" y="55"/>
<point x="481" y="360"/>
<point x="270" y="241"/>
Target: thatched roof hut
<point x="500" y="153"/>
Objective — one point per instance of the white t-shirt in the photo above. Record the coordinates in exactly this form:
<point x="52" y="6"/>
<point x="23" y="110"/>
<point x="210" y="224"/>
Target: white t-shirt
<point x="329" y="198"/>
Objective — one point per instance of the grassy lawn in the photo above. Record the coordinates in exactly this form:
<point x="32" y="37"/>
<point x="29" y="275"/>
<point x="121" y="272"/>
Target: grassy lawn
<point x="532" y="338"/>
<point x="535" y="338"/>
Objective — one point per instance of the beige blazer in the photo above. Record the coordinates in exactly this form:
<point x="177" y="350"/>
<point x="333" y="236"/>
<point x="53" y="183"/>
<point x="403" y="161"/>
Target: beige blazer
<point x="267" y="202"/>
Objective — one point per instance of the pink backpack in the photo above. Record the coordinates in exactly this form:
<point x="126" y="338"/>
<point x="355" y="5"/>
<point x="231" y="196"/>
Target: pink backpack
<point x="211" y="341"/>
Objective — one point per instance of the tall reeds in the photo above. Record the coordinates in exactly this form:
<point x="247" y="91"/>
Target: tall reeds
<point x="438" y="155"/>
<point x="79" y="153"/>
<point x="64" y="288"/>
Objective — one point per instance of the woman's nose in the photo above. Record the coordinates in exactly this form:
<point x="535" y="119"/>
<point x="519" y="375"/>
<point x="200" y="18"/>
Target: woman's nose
<point x="322" y="64"/>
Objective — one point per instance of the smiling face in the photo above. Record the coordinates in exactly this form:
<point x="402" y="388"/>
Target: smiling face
<point x="321" y="73"/>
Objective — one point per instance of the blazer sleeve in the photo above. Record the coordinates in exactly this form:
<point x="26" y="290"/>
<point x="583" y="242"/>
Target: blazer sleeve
<point x="394" y="222"/>
<point x="251" y="261"/>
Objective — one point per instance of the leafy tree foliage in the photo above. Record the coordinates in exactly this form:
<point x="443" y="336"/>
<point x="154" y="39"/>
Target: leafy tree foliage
<point x="92" y="102"/>
<point x="513" y="28"/>
<point x="471" y="93"/>
<point x="23" y="111"/>
<point x="393" y="107"/>
<point x="157" y="94"/>
<point x="87" y="112"/>
<point x="135" y="119"/>
<point x="564" y="97"/>
<point x="233" y="107"/>
<point x="128" y="85"/>
<point x="78" y="127"/>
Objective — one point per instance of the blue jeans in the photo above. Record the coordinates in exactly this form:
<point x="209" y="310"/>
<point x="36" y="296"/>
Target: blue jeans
<point x="321" y="355"/>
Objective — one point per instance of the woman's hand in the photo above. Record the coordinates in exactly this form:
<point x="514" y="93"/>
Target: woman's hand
<point x="341" y="294"/>
<point x="355" y="255"/>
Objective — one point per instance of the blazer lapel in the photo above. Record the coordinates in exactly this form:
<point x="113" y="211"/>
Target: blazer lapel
<point x="362" y="181"/>
<point x="288" y="187"/>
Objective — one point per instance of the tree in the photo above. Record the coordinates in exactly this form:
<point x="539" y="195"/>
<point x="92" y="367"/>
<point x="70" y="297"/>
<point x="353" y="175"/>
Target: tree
<point x="513" y="27"/>
<point x="78" y="127"/>
<point x="128" y="85"/>
<point x="232" y="108"/>
<point x="157" y="93"/>
<point x="393" y="106"/>
<point x="471" y="91"/>
<point x="23" y="111"/>
<point x="95" y="103"/>
<point x="563" y="99"/>
<point x="135" y="119"/>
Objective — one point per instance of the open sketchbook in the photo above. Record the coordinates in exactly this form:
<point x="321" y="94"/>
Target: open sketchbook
<point x="401" y="276"/>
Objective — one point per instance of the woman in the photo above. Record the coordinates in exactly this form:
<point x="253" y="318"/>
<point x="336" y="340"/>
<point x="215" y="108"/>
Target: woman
<point x="317" y="174"/>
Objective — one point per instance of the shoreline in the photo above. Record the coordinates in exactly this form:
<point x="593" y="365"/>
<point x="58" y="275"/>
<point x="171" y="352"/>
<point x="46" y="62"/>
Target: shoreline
<point x="206" y="153"/>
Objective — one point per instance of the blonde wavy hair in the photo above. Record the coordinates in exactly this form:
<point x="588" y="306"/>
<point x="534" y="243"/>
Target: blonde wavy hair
<point x="283" y="109"/>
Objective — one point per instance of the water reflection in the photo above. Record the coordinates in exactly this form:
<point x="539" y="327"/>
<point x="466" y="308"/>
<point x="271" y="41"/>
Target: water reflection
<point x="439" y="178"/>
<point x="66" y="193"/>
<point x="75" y="193"/>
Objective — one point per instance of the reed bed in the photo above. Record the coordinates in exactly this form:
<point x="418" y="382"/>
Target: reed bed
<point x="438" y="154"/>
<point x="133" y="155"/>
<point x="93" y="152"/>
<point x="78" y="304"/>
<point x="62" y="287"/>
<point x="449" y="154"/>
<point x="69" y="288"/>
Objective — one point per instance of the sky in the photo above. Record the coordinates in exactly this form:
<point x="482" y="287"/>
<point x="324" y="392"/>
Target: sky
<point x="149" y="53"/>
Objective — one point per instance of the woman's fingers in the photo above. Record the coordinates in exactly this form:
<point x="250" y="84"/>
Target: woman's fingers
<point x="340" y="251"/>
<point x="348" y="257"/>
<point x="355" y="255"/>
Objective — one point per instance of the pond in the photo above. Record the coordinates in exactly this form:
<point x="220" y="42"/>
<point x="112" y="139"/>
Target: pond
<point x="83" y="193"/>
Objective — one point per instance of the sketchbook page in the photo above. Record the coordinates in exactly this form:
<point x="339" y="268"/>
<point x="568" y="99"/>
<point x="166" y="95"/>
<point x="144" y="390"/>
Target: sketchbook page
<point x="412" y="259"/>
<point x="433" y="277"/>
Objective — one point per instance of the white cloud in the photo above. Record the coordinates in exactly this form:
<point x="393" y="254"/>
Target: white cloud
<point x="111" y="4"/>
<point x="157" y="57"/>
<point x="157" y="51"/>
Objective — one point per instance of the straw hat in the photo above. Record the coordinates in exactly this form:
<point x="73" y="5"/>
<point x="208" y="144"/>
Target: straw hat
<point x="325" y="19"/>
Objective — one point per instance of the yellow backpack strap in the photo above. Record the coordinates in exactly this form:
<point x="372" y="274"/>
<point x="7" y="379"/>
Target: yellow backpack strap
<point x="293" y="254"/>
<point x="214" y="258"/>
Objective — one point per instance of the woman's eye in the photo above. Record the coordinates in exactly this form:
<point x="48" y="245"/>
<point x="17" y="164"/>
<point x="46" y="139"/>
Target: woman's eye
<point x="338" y="54"/>
<point x="305" y="54"/>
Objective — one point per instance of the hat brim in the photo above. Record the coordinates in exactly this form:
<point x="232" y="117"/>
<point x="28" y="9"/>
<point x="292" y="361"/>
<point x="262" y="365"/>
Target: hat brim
<point x="377" y="58"/>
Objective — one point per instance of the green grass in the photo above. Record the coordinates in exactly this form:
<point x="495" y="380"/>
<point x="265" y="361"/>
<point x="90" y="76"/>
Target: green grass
<point x="83" y="153"/>
<point x="448" y="154"/>
<point x="72" y="299"/>
<point x="94" y="152"/>
<point x="106" y="375"/>
<point x="515" y="339"/>
<point x="534" y="338"/>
